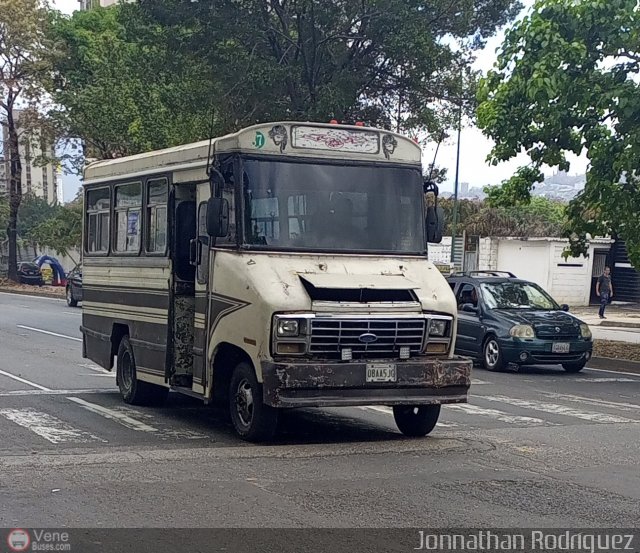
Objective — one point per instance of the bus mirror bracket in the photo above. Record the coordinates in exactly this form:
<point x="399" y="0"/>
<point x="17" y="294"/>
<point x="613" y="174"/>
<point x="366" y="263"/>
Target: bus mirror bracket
<point x="217" y="217"/>
<point x="434" y="222"/>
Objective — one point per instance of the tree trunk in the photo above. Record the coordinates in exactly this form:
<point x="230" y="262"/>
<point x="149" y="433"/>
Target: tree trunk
<point x="15" y="194"/>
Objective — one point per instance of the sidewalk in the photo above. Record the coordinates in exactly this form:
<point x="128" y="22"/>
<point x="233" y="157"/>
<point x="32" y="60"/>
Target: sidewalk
<point x="620" y="316"/>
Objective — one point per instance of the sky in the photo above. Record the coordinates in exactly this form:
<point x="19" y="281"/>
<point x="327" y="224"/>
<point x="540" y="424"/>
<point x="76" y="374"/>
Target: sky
<point x="474" y="146"/>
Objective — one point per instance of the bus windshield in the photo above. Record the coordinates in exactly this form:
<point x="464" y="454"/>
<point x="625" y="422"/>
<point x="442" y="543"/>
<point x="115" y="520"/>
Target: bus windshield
<point x="315" y="206"/>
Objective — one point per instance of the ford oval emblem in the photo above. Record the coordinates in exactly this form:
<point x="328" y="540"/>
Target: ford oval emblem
<point x="368" y="338"/>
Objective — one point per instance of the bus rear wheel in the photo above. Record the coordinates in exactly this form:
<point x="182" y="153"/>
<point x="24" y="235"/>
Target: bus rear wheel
<point x="252" y="419"/>
<point x="416" y="421"/>
<point x="133" y="390"/>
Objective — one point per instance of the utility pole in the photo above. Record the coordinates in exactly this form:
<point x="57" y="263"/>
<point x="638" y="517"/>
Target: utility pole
<point x="455" y="191"/>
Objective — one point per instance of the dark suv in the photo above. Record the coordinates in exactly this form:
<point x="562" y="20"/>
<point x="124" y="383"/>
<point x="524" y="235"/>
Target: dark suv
<point x="74" y="287"/>
<point x="505" y="321"/>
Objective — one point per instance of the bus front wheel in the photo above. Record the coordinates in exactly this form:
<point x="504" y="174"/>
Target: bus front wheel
<point x="252" y="419"/>
<point x="133" y="390"/>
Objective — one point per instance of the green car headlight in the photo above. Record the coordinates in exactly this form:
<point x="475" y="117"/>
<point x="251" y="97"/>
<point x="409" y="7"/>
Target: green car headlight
<point x="585" y="331"/>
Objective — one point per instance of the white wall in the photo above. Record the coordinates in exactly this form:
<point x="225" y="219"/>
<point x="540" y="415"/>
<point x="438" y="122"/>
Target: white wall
<point x="540" y="260"/>
<point x="527" y="260"/>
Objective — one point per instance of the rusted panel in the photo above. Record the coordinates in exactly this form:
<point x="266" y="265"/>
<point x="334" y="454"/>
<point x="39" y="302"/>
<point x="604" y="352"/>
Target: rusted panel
<point x="425" y="380"/>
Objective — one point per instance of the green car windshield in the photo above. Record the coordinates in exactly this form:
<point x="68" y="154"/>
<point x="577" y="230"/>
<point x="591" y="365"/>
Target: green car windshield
<point x="517" y="295"/>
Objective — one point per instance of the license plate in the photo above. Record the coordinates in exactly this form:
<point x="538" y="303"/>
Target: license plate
<point x="560" y="347"/>
<point x="381" y="373"/>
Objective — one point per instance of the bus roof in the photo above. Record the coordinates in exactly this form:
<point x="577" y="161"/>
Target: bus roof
<point x="290" y="139"/>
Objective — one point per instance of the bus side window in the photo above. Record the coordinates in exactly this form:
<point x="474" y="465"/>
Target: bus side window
<point x="157" y="195"/>
<point x="128" y="205"/>
<point x="97" y="221"/>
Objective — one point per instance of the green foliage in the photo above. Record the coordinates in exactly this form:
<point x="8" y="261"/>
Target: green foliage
<point x="63" y="231"/>
<point x="33" y="211"/>
<point x="566" y="82"/>
<point x="141" y="76"/>
<point x="120" y="89"/>
<point x="540" y="217"/>
<point x="4" y="217"/>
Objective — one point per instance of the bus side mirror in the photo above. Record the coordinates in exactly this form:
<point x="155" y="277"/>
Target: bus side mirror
<point x="217" y="217"/>
<point x="434" y="224"/>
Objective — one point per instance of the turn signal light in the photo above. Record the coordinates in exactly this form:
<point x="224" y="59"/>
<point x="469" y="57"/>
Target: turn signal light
<point x="290" y="348"/>
<point x="436" y="348"/>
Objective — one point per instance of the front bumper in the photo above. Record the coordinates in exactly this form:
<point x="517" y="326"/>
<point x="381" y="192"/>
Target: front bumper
<point x="540" y="352"/>
<point x="420" y="381"/>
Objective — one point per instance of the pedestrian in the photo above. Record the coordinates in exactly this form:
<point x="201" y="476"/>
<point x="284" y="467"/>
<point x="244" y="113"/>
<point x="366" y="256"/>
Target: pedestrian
<point x="604" y="289"/>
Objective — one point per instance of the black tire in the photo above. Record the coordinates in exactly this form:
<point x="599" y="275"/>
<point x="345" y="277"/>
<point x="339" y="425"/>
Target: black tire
<point x="134" y="391"/>
<point x="574" y="367"/>
<point x="71" y="301"/>
<point x="252" y="419"/>
<point x="416" y="421"/>
<point x="492" y="359"/>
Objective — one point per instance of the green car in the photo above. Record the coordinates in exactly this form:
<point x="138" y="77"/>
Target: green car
<point x="506" y="322"/>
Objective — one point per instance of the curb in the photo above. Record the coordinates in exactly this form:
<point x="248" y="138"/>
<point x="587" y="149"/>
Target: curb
<point x="612" y="364"/>
<point x="49" y="295"/>
<point x="619" y="324"/>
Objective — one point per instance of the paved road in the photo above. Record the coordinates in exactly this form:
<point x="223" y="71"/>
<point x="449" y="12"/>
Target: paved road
<point x="540" y="447"/>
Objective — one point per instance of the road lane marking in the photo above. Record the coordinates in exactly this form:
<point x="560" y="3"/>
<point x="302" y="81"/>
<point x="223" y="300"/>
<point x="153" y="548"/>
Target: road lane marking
<point x="48" y="392"/>
<point x="49" y="333"/>
<point x="97" y="369"/>
<point x="164" y="431"/>
<point x="560" y="410"/>
<point x="612" y="372"/>
<point x="498" y="415"/>
<point x="32" y="297"/>
<point x="25" y="381"/>
<point x="478" y="382"/>
<point x="121" y="418"/>
<point x="622" y="406"/>
<point x="389" y="411"/>
<point x="48" y="427"/>
<point x="600" y="380"/>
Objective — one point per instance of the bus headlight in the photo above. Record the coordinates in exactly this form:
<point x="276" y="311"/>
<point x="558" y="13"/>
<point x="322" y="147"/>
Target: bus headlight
<point x="438" y="328"/>
<point x="288" y="328"/>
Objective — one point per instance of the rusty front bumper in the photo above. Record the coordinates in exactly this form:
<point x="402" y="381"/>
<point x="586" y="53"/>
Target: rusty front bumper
<point x="420" y="381"/>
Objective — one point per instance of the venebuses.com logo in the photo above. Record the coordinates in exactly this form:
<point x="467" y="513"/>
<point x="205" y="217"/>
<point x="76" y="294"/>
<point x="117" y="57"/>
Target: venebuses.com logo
<point x="20" y="540"/>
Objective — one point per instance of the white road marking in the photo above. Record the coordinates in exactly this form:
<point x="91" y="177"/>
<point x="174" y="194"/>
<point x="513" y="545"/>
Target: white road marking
<point x="121" y="418"/>
<point x="389" y="411"/>
<point x="622" y="406"/>
<point x="48" y="427"/>
<point x="560" y="410"/>
<point x="598" y="380"/>
<point x="97" y="369"/>
<point x="78" y="312"/>
<point x="164" y="432"/>
<point x="498" y="415"/>
<point x="32" y="297"/>
<point x="49" y="333"/>
<point x="25" y="381"/>
<point x="47" y="392"/>
<point x="477" y="382"/>
<point x="611" y="372"/>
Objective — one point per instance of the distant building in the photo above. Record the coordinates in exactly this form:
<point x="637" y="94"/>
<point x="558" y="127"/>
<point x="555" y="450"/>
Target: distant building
<point x="464" y="188"/>
<point x="43" y="181"/>
<point x="90" y="4"/>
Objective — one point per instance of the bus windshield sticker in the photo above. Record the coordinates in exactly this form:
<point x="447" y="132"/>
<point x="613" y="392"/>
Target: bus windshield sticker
<point x="345" y="140"/>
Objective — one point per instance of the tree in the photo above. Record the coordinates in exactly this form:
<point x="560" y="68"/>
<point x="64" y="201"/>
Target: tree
<point x="116" y="86"/>
<point x="541" y="217"/>
<point x="394" y="63"/>
<point x="63" y="231"/>
<point x="22" y="61"/>
<point x="566" y="81"/>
